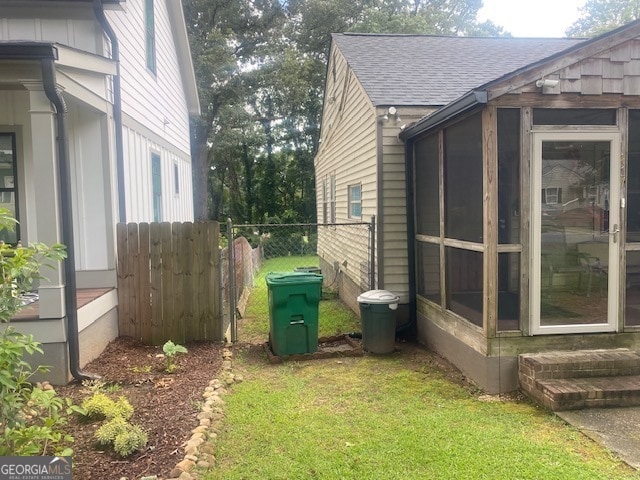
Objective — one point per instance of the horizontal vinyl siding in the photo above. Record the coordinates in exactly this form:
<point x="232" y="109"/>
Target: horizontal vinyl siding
<point x="395" y="270"/>
<point x="348" y="151"/>
<point x="155" y="100"/>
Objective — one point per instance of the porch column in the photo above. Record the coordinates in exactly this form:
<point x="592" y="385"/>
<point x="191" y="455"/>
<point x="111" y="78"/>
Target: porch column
<point x="47" y="196"/>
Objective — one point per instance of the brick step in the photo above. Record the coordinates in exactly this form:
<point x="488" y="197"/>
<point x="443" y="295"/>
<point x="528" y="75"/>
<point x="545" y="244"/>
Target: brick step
<point x="593" y="392"/>
<point x="579" y="364"/>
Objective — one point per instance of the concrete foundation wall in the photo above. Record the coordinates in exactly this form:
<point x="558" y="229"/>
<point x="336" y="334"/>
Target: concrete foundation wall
<point x="492" y="374"/>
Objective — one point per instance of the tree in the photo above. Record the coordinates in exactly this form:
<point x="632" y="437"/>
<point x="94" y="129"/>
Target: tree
<point x="600" y="16"/>
<point x="260" y="67"/>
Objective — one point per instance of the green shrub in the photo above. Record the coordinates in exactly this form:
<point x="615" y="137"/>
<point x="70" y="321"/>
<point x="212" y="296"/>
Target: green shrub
<point x="124" y="437"/>
<point x="99" y="407"/>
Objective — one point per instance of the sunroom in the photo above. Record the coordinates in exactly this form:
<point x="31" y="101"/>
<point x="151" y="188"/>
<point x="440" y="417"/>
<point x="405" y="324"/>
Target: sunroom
<point x="525" y="199"/>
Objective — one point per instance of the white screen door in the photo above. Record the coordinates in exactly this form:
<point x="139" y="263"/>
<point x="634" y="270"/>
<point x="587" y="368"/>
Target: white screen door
<point x="575" y="224"/>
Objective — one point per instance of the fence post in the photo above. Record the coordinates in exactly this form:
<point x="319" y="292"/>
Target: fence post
<point x="372" y="280"/>
<point x="232" y="282"/>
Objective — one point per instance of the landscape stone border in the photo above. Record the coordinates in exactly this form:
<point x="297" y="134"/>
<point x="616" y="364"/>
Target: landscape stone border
<point x="198" y="451"/>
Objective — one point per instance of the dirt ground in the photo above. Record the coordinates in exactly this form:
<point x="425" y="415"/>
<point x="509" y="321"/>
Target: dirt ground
<point x="165" y="406"/>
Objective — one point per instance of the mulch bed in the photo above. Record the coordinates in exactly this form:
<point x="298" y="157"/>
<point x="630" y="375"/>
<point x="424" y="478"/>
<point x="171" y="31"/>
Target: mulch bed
<point x="165" y="406"/>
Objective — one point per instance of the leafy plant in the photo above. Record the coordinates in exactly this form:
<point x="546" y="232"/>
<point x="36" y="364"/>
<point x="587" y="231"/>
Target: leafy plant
<point x="124" y="437"/>
<point x="31" y="419"/>
<point x="171" y="350"/>
<point x="99" y="407"/>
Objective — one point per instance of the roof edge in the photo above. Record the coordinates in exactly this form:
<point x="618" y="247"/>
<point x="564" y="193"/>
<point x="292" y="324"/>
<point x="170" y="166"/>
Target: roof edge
<point x="467" y="102"/>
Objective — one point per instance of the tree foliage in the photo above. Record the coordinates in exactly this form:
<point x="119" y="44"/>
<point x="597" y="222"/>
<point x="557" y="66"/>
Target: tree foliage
<point x="260" y="66"/>
<point x="600" y="16"/>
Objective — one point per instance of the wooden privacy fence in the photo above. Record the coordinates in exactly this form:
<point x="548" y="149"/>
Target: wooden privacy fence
<point x="169" y="282"/>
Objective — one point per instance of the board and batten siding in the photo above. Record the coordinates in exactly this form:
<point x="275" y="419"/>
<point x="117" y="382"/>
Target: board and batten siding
<point x="138" y="150"/>
<point x="74" y="26"/>
<point x="394" y="267"/>
<point x="347" y="152"/>
<point x="155" y="100"/>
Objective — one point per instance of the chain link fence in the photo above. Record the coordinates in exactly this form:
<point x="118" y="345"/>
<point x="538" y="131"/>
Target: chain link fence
<point x="342" y="253"/>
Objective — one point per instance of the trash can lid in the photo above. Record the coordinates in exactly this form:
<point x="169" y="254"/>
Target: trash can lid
<point x="378" y="296"/>
<point x="288" y="278"/>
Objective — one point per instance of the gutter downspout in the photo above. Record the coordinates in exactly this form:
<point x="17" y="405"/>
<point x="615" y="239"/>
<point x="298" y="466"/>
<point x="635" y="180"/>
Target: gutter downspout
<point x="98" y="9"/>
<point x="70" y="291"/>
<point x="410" y="326"/>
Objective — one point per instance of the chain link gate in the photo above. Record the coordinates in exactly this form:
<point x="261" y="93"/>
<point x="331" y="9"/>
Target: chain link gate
<point x="343" y="252"/>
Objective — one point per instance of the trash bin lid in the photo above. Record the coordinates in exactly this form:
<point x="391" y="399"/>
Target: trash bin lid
<point x="378" y="296"/>
<point x="290" y="278"/>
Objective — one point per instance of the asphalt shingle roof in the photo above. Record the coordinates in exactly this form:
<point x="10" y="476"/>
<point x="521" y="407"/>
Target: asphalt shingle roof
<point x="431" y="70"/>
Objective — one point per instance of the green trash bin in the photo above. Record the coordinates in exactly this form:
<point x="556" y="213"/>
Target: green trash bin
<point x="378" y="319"/>
<point x="293" y="311"/>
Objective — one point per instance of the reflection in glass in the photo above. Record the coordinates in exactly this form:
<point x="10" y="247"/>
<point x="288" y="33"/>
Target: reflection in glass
<point x="574" y="235"/>
<point x="7" y="184"/>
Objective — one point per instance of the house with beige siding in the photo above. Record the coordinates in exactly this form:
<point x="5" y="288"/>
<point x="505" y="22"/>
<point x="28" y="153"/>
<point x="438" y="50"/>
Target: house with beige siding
<point x="377" y="85"/>
<point x="95" y="99"/>
<point x="520" y="209"/>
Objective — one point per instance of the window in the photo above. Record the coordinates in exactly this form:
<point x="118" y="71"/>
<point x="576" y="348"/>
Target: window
<point x="551" y="195"/>
<point x="176" y="179"/>
<point x="355" y="201"/>
<point x="8" y="184"/>
<point x="509" y="175"/>
<point x="156" y="182"/>
<point x="333" y="199"/>
<point x="325" y="202"/>
<point x="150" y="30"/>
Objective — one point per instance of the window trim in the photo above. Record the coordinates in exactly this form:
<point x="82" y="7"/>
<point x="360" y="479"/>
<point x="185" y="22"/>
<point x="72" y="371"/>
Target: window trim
<point x="150" y="36"/>
<point x="354" y="202"/>
<point x="156" y="169"/>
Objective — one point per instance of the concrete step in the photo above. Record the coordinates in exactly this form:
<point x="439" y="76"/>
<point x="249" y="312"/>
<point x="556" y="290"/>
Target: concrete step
<point x="590" y="392"/>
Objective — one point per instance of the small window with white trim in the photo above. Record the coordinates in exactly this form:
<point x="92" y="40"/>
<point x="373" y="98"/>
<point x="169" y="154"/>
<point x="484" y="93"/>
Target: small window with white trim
<point x="355" y="201"/>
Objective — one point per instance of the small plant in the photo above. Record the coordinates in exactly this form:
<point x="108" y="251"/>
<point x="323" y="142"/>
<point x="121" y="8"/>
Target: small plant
<point x="142" y="369"/>
<point x="125" y="437"/>
<point x="99" y="407"/>
<point x="170" y="350"/>
<point x="97" y="385"/>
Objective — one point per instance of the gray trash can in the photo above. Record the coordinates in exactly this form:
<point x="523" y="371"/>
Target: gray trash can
<point x="378" y="320"/>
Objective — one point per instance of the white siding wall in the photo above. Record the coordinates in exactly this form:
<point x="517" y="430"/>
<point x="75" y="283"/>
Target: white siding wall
<point x="156" y="101"/>
<point x="91" y="189"/>
<point x="138" y="183"/>
<point x="156" y="118"/>
<point x="348" y="152"/>
<point x="69" y="25"/>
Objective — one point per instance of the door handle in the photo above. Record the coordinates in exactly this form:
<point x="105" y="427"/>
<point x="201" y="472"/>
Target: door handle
<point x="614" y="232"/>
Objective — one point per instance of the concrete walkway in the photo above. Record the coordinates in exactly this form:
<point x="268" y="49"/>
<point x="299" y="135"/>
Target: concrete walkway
<point x="618" y="429"/>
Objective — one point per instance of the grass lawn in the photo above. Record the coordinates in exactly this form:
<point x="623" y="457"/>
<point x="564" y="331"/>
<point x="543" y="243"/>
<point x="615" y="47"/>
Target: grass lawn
<point x="407" y="415"/>
<point x="333" y="316"/>
<point x="396" y="416"/>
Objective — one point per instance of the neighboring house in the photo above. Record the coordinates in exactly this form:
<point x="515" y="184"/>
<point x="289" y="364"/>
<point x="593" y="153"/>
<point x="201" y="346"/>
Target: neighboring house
<point x="95" y="98"/>
<point x="522" y="192"/>
<point x="375" y="86"/>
